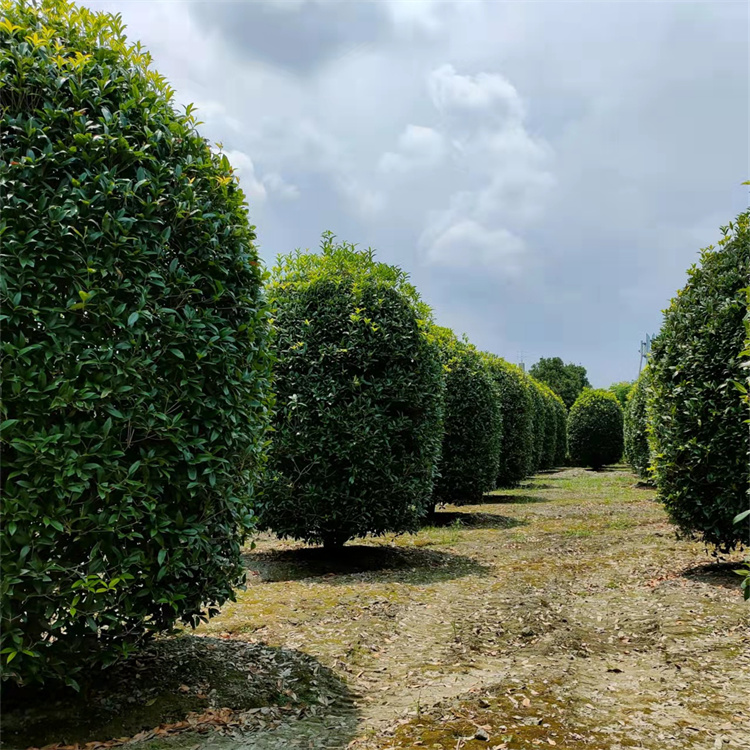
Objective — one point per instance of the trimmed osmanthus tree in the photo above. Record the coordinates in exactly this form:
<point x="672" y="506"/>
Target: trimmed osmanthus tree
<point x="698" y="377"/>
<point x="516" y="448"/>
<point x="539" y="424"/>
<point x="135" y="365"/>
<point x="637" y="451"/>
<point x="359" y="386"/>
<point x="595" y="429"/>
<point x="560" y="412"/>
<point x="552" y="422"/>
<point x="473" y="423"/>
<point x="543" y="426"/>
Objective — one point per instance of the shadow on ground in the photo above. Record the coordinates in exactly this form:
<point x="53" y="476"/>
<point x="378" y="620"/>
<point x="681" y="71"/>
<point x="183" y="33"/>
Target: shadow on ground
<point x="444" y="518"/>
<point x="513" y="499"/>
<point x="720" y="574"/>
<point x="377" y="562"/>
<point x="187" y="682"/>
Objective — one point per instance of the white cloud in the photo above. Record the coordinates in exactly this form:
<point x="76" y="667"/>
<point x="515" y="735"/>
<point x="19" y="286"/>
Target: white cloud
<point x="213" y="113"/>
<point x="468" y="244"/>
<point x="418" y="146"/>
<point x="485" y="93"/>
<point x="511" y="166"/>
<point x="415" y="14"/>
<point x="277" y="185"/>
<point x="253" y="188"/>
<point x="516" y="196"/>
<point x="365" y="201"/>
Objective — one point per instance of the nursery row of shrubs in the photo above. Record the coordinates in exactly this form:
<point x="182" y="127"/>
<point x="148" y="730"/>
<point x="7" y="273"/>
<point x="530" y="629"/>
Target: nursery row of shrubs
<point x="687" y="419"/>
<point x="380" y="414"/>
<point x="160" y="401"/>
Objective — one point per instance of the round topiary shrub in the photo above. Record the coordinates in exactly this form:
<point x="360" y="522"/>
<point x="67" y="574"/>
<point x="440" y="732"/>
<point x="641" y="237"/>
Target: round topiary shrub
<point x="472" y="423"/>
<point x="134" y="359"/>
<point x="595" y="429"/>
<point x="637" y="452"/>
<point x="698" y="418"/>
<point x="516" y="447"/>
<point x="359" y="388"/>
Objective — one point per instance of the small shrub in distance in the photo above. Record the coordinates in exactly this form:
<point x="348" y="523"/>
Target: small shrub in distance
<point x="637" y="452"/>
<point x="472" y="423"/>
<point x="595" y="429"/>
<point x="359" y="399"/>
<point x="621" y="390"/>
<point x="698" y="418"/>
<point x="566" y="380"/>
<point x="134" y="362"/>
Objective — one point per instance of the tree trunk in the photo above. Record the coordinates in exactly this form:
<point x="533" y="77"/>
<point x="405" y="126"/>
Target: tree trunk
<point x="334" y="542"/>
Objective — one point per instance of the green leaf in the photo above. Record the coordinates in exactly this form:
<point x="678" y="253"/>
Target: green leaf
<point x="133" y="318"/>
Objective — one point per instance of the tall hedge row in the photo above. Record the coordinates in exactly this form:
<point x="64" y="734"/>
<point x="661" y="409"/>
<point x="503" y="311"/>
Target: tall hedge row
<point x="637" y="452"/>
<point x="473" y="426"/>
<point x="560" y="413"/>
<point x="699" y="429"/>
<point x="552" y="415"/>
<point x="539" y="425"/>
<point x="135" y="365"/>
<point x="359" y="385"/>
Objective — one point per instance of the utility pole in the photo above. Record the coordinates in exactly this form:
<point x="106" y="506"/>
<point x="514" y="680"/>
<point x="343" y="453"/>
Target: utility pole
<point x="645" y="351"/>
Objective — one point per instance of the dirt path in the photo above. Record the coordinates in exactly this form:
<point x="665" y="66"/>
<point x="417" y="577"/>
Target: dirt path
<point x="563" y="613"/>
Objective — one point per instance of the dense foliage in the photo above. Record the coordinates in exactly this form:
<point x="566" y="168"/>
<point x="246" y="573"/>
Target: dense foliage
<point x="134" y="361"/>
<point x="744" y="388"/>
<point x="622" y="390"/>
<point x="637" y="452"/>
<point x="359" y="399"/>
<point x="595" y="429"/>
<point x="514" y="391"/>
<point x="567" y="381"/>
<point x="472" y="423"/>
<point x="539" y="425"/>
<point x="698" y="418"/>
<point x="561" y="429"/>
<point x="552" y="423"/>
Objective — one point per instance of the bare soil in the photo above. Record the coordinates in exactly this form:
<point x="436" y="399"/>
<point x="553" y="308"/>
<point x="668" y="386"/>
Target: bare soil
<point x="564" y="614"/>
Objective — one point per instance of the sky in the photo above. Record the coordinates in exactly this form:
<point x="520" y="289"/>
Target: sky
<point x="546" y="172"/>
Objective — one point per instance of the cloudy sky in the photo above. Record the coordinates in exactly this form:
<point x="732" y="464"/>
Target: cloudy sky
<point x="545" y="171"/>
